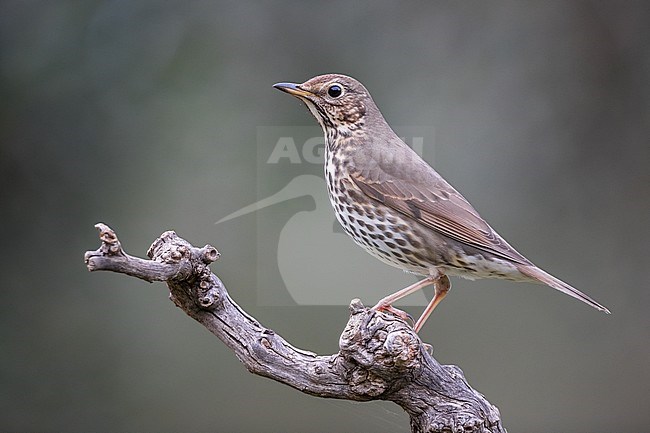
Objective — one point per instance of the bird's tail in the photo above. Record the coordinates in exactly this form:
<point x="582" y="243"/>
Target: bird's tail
<point x="543" y="277"/>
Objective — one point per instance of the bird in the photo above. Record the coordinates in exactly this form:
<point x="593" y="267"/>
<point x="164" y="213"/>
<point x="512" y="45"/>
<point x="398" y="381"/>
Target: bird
<point x="395" y="206"/>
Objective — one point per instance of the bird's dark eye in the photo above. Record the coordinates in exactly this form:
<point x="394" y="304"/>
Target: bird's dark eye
<point x="335" y="91"/>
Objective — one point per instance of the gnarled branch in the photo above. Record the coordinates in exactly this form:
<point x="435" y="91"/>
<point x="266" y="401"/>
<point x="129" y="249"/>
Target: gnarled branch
<point x="380" y="356"/>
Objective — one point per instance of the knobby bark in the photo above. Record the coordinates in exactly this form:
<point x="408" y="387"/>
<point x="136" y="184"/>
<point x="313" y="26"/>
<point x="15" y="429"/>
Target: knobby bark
<point x="380" y="356"/>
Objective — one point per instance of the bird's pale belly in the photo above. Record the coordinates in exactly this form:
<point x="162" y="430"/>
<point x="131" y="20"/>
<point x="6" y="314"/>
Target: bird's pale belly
<point x="385" y="235"/>
<point x="383" y="240"/>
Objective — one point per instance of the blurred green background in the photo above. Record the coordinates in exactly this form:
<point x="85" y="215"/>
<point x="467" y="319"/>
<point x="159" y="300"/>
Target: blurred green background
<point x="143" y="115"/>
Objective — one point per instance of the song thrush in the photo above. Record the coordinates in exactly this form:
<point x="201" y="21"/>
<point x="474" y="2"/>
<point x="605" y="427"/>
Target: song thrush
<point x="397" y="207"/>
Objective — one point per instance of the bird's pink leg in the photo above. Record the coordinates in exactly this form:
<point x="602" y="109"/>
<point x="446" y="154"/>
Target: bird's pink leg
<point x="386" y="303"/>
<point x="441" y="285"/>
<point x="394" y="297"/>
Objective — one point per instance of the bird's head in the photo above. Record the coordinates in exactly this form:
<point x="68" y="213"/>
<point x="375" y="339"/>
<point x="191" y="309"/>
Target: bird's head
<point x="340" y="103"/>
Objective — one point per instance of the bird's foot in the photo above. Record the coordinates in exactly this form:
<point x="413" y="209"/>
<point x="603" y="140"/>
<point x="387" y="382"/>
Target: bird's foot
<point x="395" y="311"/>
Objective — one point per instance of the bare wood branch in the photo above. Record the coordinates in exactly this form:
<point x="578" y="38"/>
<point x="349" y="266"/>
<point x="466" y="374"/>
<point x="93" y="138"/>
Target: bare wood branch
<point x="380" y="356"/>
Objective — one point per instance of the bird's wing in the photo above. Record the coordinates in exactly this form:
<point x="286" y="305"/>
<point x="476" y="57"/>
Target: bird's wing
<point x="423" y="195"/>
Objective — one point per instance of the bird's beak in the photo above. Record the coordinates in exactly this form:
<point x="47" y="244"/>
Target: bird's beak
<point x="293" y="89"/>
